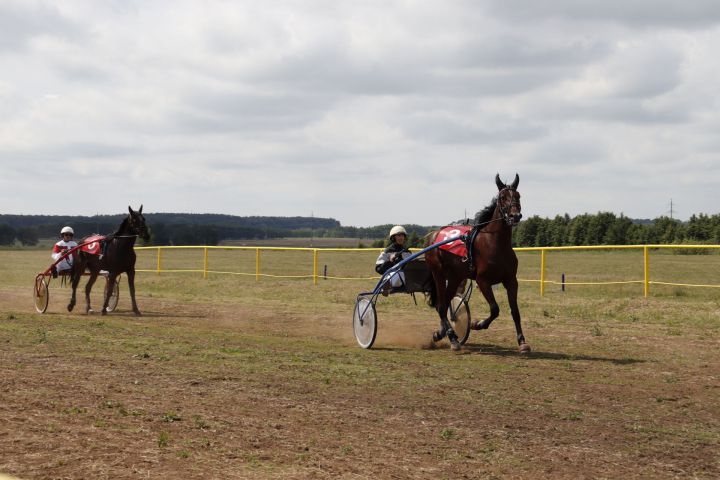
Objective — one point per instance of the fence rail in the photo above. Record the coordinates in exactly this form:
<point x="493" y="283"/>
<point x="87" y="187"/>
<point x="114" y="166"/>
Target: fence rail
<point x="315" y="275"/>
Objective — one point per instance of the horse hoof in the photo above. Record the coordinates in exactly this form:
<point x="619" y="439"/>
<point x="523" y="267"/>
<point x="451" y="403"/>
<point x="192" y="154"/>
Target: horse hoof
<point x="525" y="348"/>
<point x="455" y="346"/>
<point x="103" y="312"/>
<point x="477" y="325"/>
<point x="138" y="314"/>
<point x="70" y="307"/>
<point x="89" y="311"/>
<point x="437" y="336"/>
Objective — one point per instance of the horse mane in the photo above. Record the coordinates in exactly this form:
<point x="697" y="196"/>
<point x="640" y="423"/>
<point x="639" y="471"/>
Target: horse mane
<point x="486" y="214"/>
<point x="123" y="226"/>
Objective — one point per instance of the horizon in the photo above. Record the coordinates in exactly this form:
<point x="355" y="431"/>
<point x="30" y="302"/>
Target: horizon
<point x="357" y="226"/>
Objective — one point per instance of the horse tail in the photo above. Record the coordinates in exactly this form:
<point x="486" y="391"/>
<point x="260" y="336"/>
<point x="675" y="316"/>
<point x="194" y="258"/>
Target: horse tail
<point x="429" y="237"/>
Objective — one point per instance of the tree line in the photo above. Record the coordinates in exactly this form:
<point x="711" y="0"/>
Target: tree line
<point x="603" y="228"/>
<point x="165" y="228"/>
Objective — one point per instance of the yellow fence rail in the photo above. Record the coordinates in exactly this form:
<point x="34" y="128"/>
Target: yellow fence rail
<point x="315" y="273"/>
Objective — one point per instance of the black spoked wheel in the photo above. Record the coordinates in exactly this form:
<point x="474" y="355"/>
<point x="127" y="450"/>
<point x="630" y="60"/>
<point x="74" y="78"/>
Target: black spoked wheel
<point x="112" y="303"/>
<point x="41" y="294"/>
<point x="459" y="317"/>
<point x="365" y="322"/>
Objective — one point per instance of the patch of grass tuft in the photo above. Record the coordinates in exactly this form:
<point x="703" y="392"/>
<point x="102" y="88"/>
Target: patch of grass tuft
<point x="448" y="434"/>
<point x="163" y="439"/>
<point x="171" y="417"/>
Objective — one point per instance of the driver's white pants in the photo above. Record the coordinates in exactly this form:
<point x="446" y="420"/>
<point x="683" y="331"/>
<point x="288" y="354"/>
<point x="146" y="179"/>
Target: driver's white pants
<point x="65" y="264"/>
<point x="397" y="279"/>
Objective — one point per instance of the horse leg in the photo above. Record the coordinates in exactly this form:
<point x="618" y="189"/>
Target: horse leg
<point x="131" y="288"/>
<point x="446" y="291"/>
<point x="440" y="306"/>
<point x="512" y="289"/>
<point x="452" y="287"/>
<point x="88" y="289"/>
<point x="75" y="273"/>
<point x="486" y="289"/>
<point x="111" y="280"/>
<point x="73" y="283"/>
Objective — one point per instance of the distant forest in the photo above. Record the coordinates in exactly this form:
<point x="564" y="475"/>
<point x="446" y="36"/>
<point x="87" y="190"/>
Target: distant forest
<point x="603" y="228"/>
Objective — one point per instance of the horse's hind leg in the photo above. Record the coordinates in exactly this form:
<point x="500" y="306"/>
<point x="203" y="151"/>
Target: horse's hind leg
<point x="73" y="284"/>
<point x="512" y="289"/>
<point x="75" y="274"/>
<point x="486" y="289"/>
<point x="440" y="307"/>
<point x="111" y="280"/>
<point x="88" y="289"/>
<point x="131" y="288"/>
<point x="446" y="291"/>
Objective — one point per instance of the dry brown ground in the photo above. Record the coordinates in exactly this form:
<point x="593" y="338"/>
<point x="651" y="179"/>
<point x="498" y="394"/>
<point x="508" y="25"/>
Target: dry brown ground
<point x="229" y="390"/>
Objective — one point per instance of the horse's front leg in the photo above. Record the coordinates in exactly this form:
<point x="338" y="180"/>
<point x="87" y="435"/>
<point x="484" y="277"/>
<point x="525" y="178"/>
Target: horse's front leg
<point x="512" y="290"/>
<point x="486" y="289"/>
<point x="131" y="288"/>
<point x="88" y="289"/>
<point x="111" y="280"/>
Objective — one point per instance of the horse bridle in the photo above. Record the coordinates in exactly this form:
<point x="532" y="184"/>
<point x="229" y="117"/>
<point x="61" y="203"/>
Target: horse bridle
<point x="504" y="210"/>
<point x="136" y="228"/>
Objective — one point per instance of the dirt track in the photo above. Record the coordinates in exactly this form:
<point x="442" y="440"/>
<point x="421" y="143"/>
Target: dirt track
<point x="226" y="391"/>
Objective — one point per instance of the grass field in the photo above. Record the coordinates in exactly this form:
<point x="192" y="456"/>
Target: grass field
<point x="227" y="377"/>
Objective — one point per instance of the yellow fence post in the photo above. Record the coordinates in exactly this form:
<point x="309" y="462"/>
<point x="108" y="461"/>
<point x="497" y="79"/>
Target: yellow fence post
<point x="159" y="265"/>
<point x="205" y="263"/>
<point x="257" y="264"/>
<point x="542" y="272"/>
<point x="315" y="266"/>
<point x="646" y="271"/>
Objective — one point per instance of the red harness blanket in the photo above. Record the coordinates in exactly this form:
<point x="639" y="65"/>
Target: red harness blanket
<point x="457" y="247"/>
<point x="92" y="244"/>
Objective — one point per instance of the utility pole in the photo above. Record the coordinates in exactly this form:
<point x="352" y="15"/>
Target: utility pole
<point x="671" y="209"/>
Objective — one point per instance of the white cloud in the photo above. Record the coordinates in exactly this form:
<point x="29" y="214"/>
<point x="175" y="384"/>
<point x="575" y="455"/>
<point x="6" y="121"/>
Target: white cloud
<point x="370" y="112"/>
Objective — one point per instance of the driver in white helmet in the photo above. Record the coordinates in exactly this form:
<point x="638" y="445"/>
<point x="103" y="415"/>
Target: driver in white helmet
<point x="392" y="255"/>
<point x="65" y="243"/>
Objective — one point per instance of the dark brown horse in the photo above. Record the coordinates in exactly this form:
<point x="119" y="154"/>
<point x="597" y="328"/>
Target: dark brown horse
<point x="493" y="262"/>
<point x="118" y="257"/>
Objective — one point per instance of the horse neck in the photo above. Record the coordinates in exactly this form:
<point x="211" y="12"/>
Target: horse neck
<point x="497" y="226"/>
<point x="124" y="237"/>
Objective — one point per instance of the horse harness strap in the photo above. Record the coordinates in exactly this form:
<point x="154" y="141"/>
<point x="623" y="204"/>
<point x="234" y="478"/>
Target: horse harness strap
<point x="469" y="239"/>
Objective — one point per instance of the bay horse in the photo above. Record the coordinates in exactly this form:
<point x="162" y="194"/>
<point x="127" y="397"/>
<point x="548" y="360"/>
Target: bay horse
<point x="118" y="257"/>
<point x="493" y="262"/>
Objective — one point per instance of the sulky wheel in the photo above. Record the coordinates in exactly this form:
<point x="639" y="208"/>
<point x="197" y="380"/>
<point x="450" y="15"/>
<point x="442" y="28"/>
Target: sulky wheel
<point x="112" y="303"/>
<point x="460" y="321"/>
<point x="41" y="294"/>
<point x="365" y="322"/>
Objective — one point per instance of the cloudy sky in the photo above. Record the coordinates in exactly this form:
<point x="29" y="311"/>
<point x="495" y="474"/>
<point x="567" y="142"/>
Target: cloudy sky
<point x="368" y="111"/>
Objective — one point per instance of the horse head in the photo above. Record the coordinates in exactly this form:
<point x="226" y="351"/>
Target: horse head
<point x="136" y="223"/>
<point x="509" y="200"/>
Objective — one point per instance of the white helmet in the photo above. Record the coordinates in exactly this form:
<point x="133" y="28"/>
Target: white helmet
<point x="396" y="230"/>
<point x="67" y="230"/>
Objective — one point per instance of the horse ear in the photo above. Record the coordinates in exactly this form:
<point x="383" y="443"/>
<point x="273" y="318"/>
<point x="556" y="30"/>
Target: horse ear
<point x="130" y="209"/>
<point x="140" y="211"/>
<point x="499" y="182"/>
<point x="513" y="185"/>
